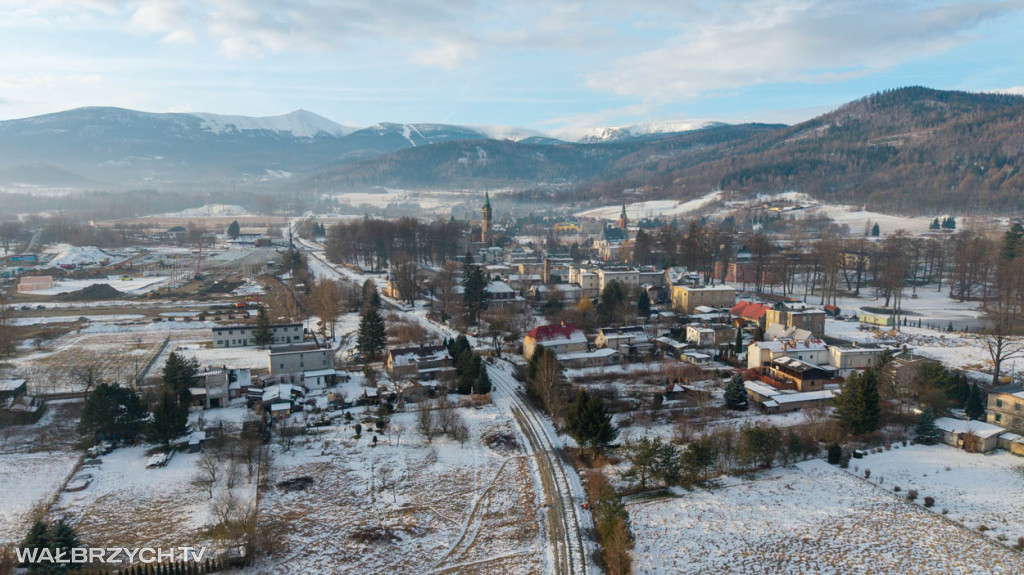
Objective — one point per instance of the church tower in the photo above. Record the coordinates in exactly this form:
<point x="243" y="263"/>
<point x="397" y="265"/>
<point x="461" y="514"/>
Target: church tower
<point x="485" y="221"/>
<point x="622" y="218"/>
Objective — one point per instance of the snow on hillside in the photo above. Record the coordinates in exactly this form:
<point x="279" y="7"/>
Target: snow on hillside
<point x="300" y="123"/>
<point x="615" y="133"/>
<point x="81" y="256"/>
<point x="208" y="210"/>
<point x="651" y="209"/>
<point x="510" y="133"/>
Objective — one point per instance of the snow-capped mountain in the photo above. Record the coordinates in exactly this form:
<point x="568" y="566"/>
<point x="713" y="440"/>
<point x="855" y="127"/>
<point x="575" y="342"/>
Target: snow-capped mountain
<point x="619" y="133"/>
<point x="300" y="123"/>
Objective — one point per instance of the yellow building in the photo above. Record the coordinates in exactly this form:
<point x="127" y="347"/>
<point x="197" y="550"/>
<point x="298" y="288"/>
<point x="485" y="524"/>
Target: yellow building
<point x="688" y="298"/>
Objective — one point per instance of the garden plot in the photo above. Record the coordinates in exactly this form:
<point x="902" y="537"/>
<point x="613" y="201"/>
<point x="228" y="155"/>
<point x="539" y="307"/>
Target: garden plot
<point x="29" y="480"/>
<point x="114" y="356"/>
<point x="436" y="508"/>
<point x="810" y="518"/>
<point x="976" y="490"/>
<point x="128" y="505"/>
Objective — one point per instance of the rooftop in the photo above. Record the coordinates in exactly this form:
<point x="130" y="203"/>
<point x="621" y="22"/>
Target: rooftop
<point x="979" y="428"/>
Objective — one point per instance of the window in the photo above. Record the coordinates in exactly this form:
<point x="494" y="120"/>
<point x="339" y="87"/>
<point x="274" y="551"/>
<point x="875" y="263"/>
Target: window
<point x="1016" y="407"/>
<point x="999" y="403"/>
<point x="999" y="417"/>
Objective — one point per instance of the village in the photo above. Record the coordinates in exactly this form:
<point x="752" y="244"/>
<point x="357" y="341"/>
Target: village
<point x="603" y="391"/>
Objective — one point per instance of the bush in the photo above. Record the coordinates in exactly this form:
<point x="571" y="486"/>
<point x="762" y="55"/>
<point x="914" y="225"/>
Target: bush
<point x="983" y="528"/>
<point x="897" y="489"/>
<point x="835" y="454"/>
<point x="844" y="462"/>
<point x="867" y="474"/>
<point x="912" y="495"/>
<point x="929" y="501"/>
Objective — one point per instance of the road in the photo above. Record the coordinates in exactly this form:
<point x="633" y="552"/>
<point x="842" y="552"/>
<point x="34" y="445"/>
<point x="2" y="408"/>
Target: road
<point x="563" y="492"/>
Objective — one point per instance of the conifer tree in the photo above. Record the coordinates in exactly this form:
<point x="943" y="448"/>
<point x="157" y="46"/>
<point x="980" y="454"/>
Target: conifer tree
<point x="975" y="406"/>
<point x="234" y="229"/>
<point x="925" y="432"/>
<point x="875" y="230"/>
<point x="589" y="423"/>
<point x="262" y="336"/>
<point x="858" y="406"/>
<point x="643" y="305"/>
<point x="372" y="337"/>
<point x="736" y="394"/>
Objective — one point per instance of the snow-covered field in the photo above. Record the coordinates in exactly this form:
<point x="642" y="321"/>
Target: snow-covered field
<point x="114" y="356"/>
<point x="129" y="505"/>
<point x="135" y="285"/>
<point x="28" y="479"/>
<point x="810" y="518"/>
<point x="857" y="219"/>
<point x="435" y="507"/>
<point x="652" y="209"/>
<point x="975" y="489"/>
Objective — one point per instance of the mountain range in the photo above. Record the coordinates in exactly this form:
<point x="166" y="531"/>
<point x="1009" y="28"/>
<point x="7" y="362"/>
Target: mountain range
<point x="906" y="150"/>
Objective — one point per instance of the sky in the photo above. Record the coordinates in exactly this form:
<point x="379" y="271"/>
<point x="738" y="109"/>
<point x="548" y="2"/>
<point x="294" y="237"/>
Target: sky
<point x="559" y="67"/>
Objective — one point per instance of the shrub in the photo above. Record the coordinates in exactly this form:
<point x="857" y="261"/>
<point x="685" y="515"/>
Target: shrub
<point x="904" y="443"/>
<point x="911" y="495"/>
<point x="983" y="528"/>
<point x="929" y="501"/>
<point x="897" y="489"/>
<point x="835" y="454"/>
<point x="945" y="511"/>
<point x="844" y="462"/>
<point x="867" y="474"/>
<point x="888" y="447"/>
<point x="858" y="454"/>
<point x="1020" y="543"/>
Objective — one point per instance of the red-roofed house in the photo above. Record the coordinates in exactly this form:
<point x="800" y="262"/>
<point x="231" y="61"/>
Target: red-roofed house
<point x="560" y="338"/>
<point x="750" y="311"/>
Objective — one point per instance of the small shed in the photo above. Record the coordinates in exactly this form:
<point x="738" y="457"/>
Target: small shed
<point x="973" y="436"/>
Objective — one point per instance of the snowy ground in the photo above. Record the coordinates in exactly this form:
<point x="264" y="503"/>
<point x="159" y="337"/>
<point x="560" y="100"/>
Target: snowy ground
<point x="438" y="507"/>
<point x="652" y="209"/>
<point x="811" y="518"/>
<point x="129" y="505"/>
<point x="975" y="489"/>
<point x="114" y="356"/>
<point x="138" y="285"/>
<point x="28" y="480"/>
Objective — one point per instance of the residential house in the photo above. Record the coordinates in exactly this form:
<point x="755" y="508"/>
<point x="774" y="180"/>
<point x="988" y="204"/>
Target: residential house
<point x="810" y="350"/>
<point x="244" y="335"/>
<point x="710" y="336"/>
<point x="630" y="340"/>
<point x="751" y="312"/>
<point x="1006" y="407"/>
<point x="561" y="339"/>
<point x="851" y="357"/>
<point x="218" y="386"/>
<point x="688" y="298"/>
<point x="797" y="315"/>
<point x="802" y="375"/>
<point x="426" y="362"/>
<point x="568" y="293"/>
<point x="298" y="359"/>
<point x="12" y="388"/>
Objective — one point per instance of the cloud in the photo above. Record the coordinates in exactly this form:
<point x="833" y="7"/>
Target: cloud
<point x="445" y="54"/>
<point x="807" y="41"/>
<point x="1016" y="90"/>
<point x="164" y="18"/>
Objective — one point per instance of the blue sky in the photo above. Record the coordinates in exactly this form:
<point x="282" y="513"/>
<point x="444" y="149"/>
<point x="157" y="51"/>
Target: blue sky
<point x="554" y="66"/>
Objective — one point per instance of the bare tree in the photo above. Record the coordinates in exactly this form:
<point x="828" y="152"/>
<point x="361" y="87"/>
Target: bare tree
<point x="325" y="299"/>
<point x="444" y="411"/>
<point x="403" y="274"/>
<point x="447" y="290"/>
<point x="425" y="421"/>
<point x="1000" y="340"/>
<point x="209" y="471"/>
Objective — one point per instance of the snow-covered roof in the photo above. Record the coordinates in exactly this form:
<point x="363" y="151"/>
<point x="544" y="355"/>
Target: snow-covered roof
<point x="11" y="384"/>
<point x="760" y="388"/>
<point x="280" y="406"/>
<point x="406" y="356"/>
<point x="781" y="345"/>
<point x="696" y="355"/>
<point x="320" y="373"/>
<point x="803" y="396"/>
<point x="600" y="352"/>
<point x="979" y="428"/>
<point x="498" y="287"/>
<point x="671" y="342"/>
